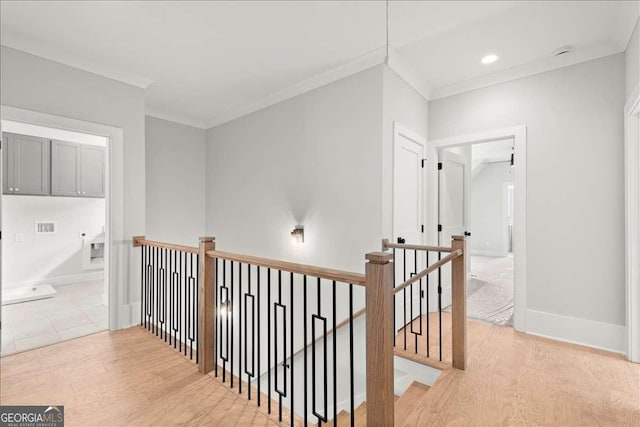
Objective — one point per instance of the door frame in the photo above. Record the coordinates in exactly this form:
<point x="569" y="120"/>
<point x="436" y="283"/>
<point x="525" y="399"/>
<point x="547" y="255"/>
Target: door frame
<point x="632" y="222"/>
<point x="398" y="131"/>
<point x="116" y="250"/>
<point x="519" y="135"/>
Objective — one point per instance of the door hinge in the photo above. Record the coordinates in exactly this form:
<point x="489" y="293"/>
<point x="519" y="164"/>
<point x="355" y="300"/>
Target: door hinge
<point x="422" y="228"/>
<point x="422" y="162"/>
<point x="439" y="227"/>
<point x="439" y="166"/>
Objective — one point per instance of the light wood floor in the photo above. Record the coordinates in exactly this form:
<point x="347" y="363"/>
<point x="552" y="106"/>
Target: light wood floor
<point x="122" y="378"/>
<point x="131" y="378"/>
<point x="519" y="379"/>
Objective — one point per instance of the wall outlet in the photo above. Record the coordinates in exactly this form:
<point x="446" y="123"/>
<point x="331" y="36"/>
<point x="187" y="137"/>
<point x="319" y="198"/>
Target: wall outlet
<point x="19" y="237"/>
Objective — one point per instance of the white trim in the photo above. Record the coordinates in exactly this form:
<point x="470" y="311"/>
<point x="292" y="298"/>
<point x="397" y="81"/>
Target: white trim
<point x="59" y="280"/>
<point x="175" y="118"/>
<point x="530" y="69"/>
<point x="409" y="74"/>
<point x="604" y="336"/>
<point x="632" y="222"/>
<point x="364" y="62"/>
<point x="519" y="134"/>
<point x="492" y="254"/>
<point x="115" y="262"/>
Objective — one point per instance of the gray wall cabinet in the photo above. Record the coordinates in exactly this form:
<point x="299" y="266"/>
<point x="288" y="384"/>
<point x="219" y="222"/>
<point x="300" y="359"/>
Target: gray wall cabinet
<point x="26" y="164"/>
<point x="77" y="170"/>
<point x="40" y="166"/>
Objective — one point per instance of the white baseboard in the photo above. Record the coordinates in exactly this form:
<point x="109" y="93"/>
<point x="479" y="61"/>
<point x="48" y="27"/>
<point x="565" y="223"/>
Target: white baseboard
<point x="61" y="280"/>
<point x="590" y="333"/>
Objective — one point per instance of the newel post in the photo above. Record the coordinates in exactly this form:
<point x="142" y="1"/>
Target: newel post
<point x="207" y="307"/>
<point x="379" y="297"/>
<point x="459" y="303"/>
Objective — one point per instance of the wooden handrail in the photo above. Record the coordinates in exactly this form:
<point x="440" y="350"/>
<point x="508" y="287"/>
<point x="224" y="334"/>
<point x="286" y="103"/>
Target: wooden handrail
<point x="453" y="255"/>
<point x="309" y="270"/>
<point x="386" y="245"/>
<point x="141" y="241"/>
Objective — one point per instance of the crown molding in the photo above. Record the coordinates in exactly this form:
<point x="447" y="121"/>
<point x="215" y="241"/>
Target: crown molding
<point x="530" y="69"/>
<point x="175" y="118"/>
<point x="409" y="74"/>
<point x="364" y="62"/>
<point x="60" y="56"/>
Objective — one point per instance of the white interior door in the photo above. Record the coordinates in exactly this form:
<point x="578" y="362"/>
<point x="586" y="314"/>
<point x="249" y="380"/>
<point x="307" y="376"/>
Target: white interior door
<point x="453" y="213"/>
<point x="408" y="218"/>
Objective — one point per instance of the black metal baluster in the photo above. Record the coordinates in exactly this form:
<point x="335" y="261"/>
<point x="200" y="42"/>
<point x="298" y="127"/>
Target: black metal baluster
<point x="404" y="295"/>
<point x="170" y="293"/>
<point x="230" y="316"/>
<point x="269" y="373"/>
<point x="351" y="377"/>
<point x="141" y="283"/>
<point x="415" y="270"/>
<point x="258" y="322"/>
<point x="395" y="326"/>
<point x="240" y="328"/>
<point x="440" y="307"/>
<point x="216" y="347"/>
<point x="180" y="299"/>
<point x="304" y="327"/>
<point x="324" y="416"/>
<point x="197" y="308"/>
<point x="226" y="319"/>
<point x="157" y="261"/>
<point x="293" y="393"/>
<point x="246" y="332"/>
<point x="335" y="360"/>
<point x="164" y="298"/>
<point x="428" y="309"/>
<point x="284" y="338"/>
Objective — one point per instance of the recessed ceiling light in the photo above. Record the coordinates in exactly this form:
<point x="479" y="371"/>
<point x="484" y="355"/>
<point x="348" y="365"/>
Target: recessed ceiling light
<point x="489" y="59"/>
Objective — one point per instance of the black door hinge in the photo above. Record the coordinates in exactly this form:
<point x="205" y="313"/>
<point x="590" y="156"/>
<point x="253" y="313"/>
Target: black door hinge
<point x="439" y="227"/>
<point x="422" y="228"/>
<point x="439" y="166"/>
<point x="422" y="162"/>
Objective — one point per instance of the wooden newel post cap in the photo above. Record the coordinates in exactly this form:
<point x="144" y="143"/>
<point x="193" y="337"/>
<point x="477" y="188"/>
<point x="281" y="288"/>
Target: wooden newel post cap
<point x="207" y="239"/>
<point x="378" y="257"/>
<point x="136" y="240"/>
<point x="458" y="237"/>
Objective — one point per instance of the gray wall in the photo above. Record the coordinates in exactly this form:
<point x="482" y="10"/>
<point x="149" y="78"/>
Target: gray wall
<point x="175" y="159"/>
<point x="575" y="240"/>
<point x="312" y="160"/>
<point x="632" y="61"/>
<point x="33" y="83"/>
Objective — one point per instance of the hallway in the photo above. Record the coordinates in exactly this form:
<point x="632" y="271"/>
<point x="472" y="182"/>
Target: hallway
<point x="490" y="290"/>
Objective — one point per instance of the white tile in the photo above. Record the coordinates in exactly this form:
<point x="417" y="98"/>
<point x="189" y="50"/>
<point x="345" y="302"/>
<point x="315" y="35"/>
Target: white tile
<point x="32" y="328"/>
<point x="37" y="341"/>
<point x="78" y="331"/>
<point x="69" y="319"/>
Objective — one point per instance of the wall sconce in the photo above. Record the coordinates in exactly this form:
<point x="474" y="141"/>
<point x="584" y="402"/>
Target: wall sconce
<point x="297" y="235"/>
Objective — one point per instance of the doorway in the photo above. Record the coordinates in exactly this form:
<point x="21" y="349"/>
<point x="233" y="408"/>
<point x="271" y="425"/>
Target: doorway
<point x="482" y="194"/>
<point x="54" y="285"/>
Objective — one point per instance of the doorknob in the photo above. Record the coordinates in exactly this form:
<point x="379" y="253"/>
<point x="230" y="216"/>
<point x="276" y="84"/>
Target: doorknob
<point x="401" y="240"/>
<point x="467" y="233"/>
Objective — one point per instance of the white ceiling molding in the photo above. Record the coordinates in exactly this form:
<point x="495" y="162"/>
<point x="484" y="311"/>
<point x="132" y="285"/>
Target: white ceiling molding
<point x="409" y="74"/>
<point x="175" y="118"/>
<point x="14" y="41"/>
<point x="368" y="60"/>
<point x="537" y="67"/>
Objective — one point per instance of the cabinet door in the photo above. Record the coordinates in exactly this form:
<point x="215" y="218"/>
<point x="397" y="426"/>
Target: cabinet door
<point x="65" y="168"/>
<point x="92" y="171"/>
<point x="30" y="165"/>
<point x="7" y="178"/>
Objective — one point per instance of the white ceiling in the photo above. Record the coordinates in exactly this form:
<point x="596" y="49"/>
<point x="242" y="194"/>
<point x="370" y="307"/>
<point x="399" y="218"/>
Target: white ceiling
<point x="207" y="62"/>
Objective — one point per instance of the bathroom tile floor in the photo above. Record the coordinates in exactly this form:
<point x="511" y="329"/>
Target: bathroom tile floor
<point x="76" y="310"/>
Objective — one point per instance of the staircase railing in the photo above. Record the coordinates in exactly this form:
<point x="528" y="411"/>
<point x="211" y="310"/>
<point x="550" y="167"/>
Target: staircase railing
<point x="414" y="314"/>
<point x="239" y="314"/>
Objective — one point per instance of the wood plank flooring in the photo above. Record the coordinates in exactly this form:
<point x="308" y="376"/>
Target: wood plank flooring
<point x="130" y="378"/>
<point x="123" y="378"/>
<point x="519" y="379"/>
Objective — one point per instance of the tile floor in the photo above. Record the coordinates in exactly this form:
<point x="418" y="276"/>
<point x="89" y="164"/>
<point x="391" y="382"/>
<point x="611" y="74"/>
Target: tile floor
<point x="76" y="310"/>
